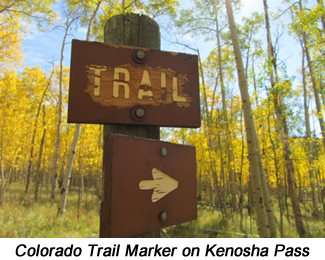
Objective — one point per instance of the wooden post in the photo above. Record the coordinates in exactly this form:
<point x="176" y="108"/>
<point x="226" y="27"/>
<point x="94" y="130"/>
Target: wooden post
<point x="138" y="31"/>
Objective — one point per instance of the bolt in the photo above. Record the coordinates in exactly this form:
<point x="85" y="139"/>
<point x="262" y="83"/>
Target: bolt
<point x="140" y="112"/>
<point x="163" y="151"/>
<point x="192" y="59"/>
<point x="163" y="216"/>
<point x="140" y="54"/>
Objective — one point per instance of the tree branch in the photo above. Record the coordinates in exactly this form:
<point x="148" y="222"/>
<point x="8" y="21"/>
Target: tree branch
<point x="285" y="10"/>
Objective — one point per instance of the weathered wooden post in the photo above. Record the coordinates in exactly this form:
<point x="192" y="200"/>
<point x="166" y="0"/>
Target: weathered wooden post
<point x="138" y="31"/>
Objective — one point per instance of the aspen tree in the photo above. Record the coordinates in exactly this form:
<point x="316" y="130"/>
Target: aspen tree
<point x="207" y="129"/>
<point x="283" y="129"/>
<point x="252" y="142"/>
<point x="301" y="33"/>
<point x="209" y="23"/>
<point x="30" y="164"/>
<point x="2" y="158"/>
<point x="254" y="23"/>
<point x="70" y="19"/>
<point x="67" y="173"/>
<point x="81" y="186"/>
<point x="230" y="166"/>
<point x="309" y="140"/>
<point x="38" y="168"/>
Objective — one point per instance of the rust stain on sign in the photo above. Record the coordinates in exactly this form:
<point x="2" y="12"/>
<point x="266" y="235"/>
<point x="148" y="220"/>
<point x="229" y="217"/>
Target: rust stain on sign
<point x="140" y="184"/>
<point x="126" y="86"/>
<point x="109" y="82"/>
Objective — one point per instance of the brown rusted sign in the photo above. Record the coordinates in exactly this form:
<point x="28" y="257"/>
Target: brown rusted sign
<point x="128" y="85"/>
<point x="148" y="184"/>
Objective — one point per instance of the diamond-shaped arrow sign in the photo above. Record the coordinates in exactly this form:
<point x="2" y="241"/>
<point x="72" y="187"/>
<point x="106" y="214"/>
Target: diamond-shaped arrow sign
<point x="161" y="184"/>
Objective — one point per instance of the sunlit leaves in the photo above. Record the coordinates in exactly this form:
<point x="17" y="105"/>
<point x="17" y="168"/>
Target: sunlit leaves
<point x="38" y="11"/>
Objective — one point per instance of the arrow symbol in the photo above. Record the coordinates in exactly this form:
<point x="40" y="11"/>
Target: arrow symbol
<point x="161" y="184"/>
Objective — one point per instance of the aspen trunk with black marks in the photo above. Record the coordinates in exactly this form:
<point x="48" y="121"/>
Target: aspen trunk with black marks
<point x="309" y="140"/>
<point x="323" y="201"/>
<point x="2" y="191"/>
<point x="58" y="133"/>
<point x="279" y="179"/>
<point x="81" y="187"/>
<point x="38" y="168"/>
<point x="31" y="156"/>
<point x="249" y="197"/>
<point x="59" y="116"/>
<point x="264" y="182"/>
<point x="322" y="90"/>
<point x="56" y="157"/>
<point x="67" y="172"/>
<point x="207" y="130"/>
<point x="283" y="129"/>
<point x="222" y="189"/>
<point x="266" y="194"/>
<point x="230" y="165"/>
<point x="2" y="187"/>
<point x="252" y="142"/>
<point x="212" y="164"/>
<point x="215" y="194"/>
<point x="301" y="195"/>
<point x="241" y="192"/>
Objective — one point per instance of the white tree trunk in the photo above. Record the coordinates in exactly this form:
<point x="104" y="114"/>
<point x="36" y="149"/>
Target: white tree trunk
<point x="252" y="142"/>
<point x="67" y="172"/>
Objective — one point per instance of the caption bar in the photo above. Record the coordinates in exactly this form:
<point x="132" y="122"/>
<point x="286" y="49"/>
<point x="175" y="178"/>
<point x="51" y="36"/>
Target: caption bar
<point x="160" y="248"/>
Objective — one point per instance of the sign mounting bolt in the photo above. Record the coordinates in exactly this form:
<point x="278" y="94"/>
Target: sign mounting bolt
<point x="163" y="151"/>
<point x="140" y="54"/>
<point x="140" y="112"/>
<point x="162" y="216"/>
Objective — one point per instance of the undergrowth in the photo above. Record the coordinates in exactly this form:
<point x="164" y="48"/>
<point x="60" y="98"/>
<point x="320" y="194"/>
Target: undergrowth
<point x="213" y="223"/>
<point x="21" y="216"/>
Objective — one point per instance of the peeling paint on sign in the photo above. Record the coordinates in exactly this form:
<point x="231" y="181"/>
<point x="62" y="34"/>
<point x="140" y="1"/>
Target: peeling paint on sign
<point x="126" y="86"/>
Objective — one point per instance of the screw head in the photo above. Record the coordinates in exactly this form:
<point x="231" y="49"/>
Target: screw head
<point x="140" y="112"/>
<point x="162" y="216"/>
<point x="163" y="151"/>
<point x="140" y="54"/>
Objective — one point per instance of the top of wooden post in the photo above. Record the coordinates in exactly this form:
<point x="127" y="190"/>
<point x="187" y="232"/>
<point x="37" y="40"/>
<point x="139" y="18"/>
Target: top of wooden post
<point x="132" y="30"/>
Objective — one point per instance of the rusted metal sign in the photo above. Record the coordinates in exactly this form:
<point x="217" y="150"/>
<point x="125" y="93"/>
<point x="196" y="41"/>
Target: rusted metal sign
<point x="128" y="85"/>
<point x="149" y="185"/>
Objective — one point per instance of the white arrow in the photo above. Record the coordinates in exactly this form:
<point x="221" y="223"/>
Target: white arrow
<point x="161" y="184"/>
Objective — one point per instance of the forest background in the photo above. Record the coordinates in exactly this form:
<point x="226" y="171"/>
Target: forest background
<point x="283" y="56"/>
